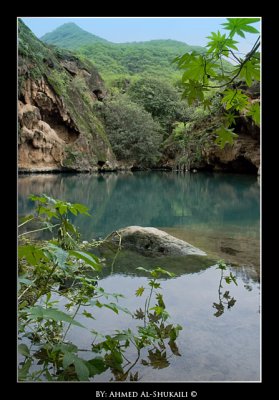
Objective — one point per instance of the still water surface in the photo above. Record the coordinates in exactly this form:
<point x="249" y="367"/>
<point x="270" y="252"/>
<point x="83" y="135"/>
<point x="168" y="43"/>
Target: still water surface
<point x="220" y="213"/>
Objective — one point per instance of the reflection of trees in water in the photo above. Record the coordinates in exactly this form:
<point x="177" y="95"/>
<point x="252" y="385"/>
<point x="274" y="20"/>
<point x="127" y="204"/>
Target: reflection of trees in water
<point x="149" y="199"/>
<point x="127" y="262"/>
<point x="247" y="274"/>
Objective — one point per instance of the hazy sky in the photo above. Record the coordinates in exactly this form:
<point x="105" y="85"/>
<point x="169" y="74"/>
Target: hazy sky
<point x="118" y="30"/>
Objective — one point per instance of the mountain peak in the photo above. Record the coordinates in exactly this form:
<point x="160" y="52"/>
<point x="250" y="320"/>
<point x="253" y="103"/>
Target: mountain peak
<point x="70" y="35"/>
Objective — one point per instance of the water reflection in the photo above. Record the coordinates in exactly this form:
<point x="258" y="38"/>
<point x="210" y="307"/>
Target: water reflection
<point x="218" y="213"/>
<point x="150" y="199"/>
<point x="225" y="300"/>
<point x="222" y="211"/>
<point x="225" y="348"/>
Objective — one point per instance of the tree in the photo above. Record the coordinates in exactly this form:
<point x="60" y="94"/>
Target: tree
<point x="210" y="70"/>
<point x="160" y="99"/>
<point x="132" y="132"/>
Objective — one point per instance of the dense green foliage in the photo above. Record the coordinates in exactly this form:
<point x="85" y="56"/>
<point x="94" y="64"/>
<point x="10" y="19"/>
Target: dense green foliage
<point x="135" y="137"/>
<point x="58" y="281"/>
<point x="160" y="99"/>
<point x="202" y="72"/>
<point x="146" y="113"/>
<point x="132" y="68"/>
<point x="124" y="58"/>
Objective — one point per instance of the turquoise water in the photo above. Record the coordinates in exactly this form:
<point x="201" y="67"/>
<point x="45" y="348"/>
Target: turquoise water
<point x="220" y="213"/>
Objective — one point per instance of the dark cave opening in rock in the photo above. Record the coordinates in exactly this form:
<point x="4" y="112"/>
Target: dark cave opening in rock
<point x="55" y="121"/>
<point x="241" y="165"/>
<point x="99" y="94"/>
<point x="21" y="98"/>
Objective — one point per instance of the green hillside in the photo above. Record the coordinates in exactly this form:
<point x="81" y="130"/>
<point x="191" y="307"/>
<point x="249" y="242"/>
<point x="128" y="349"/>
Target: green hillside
<point x="70" y="36"/>
<point x="124" y="58"/>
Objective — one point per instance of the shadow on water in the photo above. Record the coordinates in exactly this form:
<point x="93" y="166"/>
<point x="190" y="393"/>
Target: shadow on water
<point x="126" y="263"/>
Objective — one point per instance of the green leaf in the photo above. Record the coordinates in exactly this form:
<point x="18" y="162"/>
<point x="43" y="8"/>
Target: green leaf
<point x="81" y="369"/>
<point x="87" y="314"/>
<point x="226" y="295"/>
<point x="230" y="119"/>
<point x="250" y="71"/>
<point x="153" y="317"/>
<point x="65" y="348"/>
<point x="58" y="255"/>
<point x="112" y="306"/>
<point x="158" y="359"/>
<point x="158" y="310"/>
<point x="228" y="279"/>
<point x="206" y="104"/>
<point x="40" y="199"/>
<point x="117" y="358"/>
<point x="233" y="278"/>
<point x="32" y="254"/>
<point x="240" y="25"/>
<point x="222" y="265"/>
<point x="224" y="135"/>
<point x="231" y="302"/>
<point x="68" y="359"/>
<point x="193" y="91"/>
<point x="25" y="281"/>
<point x="51" y="313"/>
<point x="124" y="335"/>
<point x="162" y="271"/>
<point x="81" y="208"/>
<point x="220" y="44"/>
<point x="89" y="258"/>
<point x="174" y="348"/>
<point x="160" y="300"/>
<point x="62" y="209"/>
<point x="183" y="60"/>
<point x="235" y="99"/>
<point x="154" y="284"/>
<point x="139" y="291"/>
<point x="255" y="113"/>
<point x="96" y="303"/>
<point x="24" y="350"/>
<point x="23" y="371"/>
<point x="45" y="210"/>
<point x="70" y="227"/>
<point x="73" y="210"/>
<point x="195" y="68"/>
<point x="96" y="366"/>
<point x="139" y="314"/>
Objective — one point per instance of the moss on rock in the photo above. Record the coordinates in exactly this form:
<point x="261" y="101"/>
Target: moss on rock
<point x="70" y="87"/>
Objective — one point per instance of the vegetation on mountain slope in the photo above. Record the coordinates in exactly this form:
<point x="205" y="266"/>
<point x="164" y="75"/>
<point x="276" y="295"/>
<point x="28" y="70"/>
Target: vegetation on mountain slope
<point x="112" y="59"/>
<point x="61" y="90"/>
<point x="184" y="117"/>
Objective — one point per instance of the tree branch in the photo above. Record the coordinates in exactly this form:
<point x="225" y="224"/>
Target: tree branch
<point x="247" y="58"/>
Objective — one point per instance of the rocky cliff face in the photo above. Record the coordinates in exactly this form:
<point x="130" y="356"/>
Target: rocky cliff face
<point x="242" y="156"/>
<point x="58" y="129"/>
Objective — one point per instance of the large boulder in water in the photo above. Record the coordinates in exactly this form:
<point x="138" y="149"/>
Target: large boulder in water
<point x="152" y="242"/>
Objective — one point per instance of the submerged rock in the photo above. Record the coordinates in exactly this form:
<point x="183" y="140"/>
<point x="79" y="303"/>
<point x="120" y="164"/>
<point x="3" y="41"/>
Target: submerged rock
<point x="152" y="242"/>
